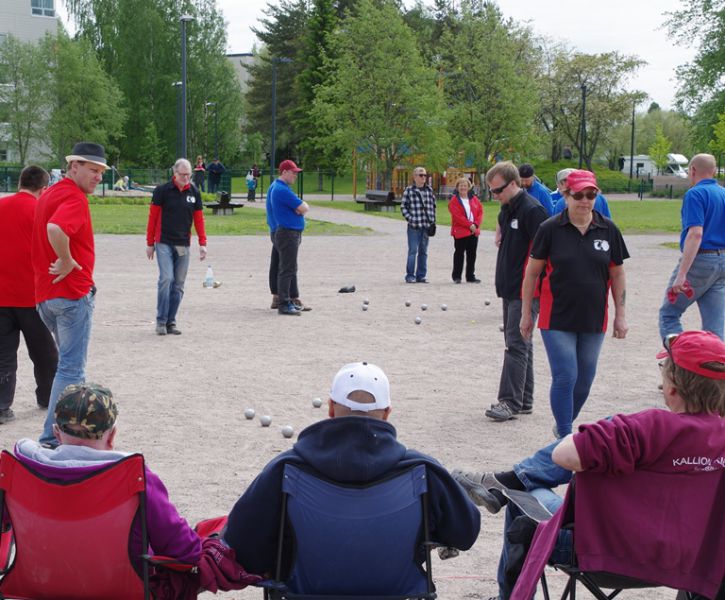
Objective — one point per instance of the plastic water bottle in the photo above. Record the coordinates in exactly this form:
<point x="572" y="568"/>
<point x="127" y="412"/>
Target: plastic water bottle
<point x="209" y="279"/>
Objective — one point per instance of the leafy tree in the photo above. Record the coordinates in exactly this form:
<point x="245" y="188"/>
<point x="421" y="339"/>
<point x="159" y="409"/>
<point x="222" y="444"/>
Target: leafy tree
<point x="487" y="65"/>
<point x="84" y="102"/>
<point x="23" y="97"/>
<point x="608" y="103"/>
<point x="381" y="100"/>
<point x="149" y="152"/>
<point x="659" y="150"/>
<point x="717" y="143"/>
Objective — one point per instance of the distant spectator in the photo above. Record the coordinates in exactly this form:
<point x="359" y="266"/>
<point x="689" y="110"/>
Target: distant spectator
<point x="216" y="170"/>
<point x="251" y="186"/>
<point x="535" y="188"/>
<point x="199" y="173"/>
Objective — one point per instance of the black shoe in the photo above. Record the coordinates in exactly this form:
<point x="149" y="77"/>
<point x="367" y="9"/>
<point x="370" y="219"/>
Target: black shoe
<point x="171" y="329"/>
<point x="424" y="280"/>
<point x="473" y="281"/>
<point x="526" y="410"/>
<point x="288" y="309"/>
<point x="457" y="280"/>
<point x="6" y="415"/>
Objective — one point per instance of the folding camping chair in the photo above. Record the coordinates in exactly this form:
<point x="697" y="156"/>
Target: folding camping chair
<point x="71" y="540"/>
<point x="349" y="541"/>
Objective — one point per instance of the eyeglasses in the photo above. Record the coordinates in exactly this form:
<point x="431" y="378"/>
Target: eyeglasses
<point x="500" y="188"/>
<point x="421" y="175"/>
<point x="588" y="195"/>
<point x="178" y="174"/>
<point x="668" y="343"/>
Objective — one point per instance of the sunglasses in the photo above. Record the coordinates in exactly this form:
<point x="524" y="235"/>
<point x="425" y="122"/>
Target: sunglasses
<point x="499" y="189"/>
<point x="421" y="175"/>
<point x="581" y="195"/>
<point x="668" y="343"/>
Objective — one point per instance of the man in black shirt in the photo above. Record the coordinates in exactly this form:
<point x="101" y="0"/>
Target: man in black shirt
<point x="518" y="221"/>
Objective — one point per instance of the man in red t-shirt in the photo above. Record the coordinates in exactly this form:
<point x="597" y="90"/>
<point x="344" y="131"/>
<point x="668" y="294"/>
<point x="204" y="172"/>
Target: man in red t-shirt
<point x="17" y="295"/>
<point x="63" y="256"/>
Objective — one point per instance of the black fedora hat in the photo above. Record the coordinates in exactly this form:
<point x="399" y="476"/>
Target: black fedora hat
<point x="88" y="152"/>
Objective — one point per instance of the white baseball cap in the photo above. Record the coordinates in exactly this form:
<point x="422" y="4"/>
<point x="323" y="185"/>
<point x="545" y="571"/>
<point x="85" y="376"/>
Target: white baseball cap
<point x="364" y="377"/>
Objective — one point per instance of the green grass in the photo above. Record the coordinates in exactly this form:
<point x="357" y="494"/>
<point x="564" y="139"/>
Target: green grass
<point x="131" y="219"/>
<point x="646" y="216"/>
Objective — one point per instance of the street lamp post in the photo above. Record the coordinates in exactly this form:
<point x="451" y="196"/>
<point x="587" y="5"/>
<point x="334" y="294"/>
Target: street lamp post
<point x="275" y="62"/>
<point x="177" y="85"/>
<point x="631" y="148"/>
<point x="216" y="128"/>
<point x="183" y="19"/>
<point x="584" y="124"/>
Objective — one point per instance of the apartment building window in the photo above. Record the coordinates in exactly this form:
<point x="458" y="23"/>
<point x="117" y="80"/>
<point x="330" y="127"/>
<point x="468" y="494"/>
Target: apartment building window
<point x="42" y="8"/>
<point x="3" y="154"/>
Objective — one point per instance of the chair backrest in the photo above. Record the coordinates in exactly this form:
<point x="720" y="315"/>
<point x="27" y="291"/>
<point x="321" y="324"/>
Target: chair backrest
<point x="71" y="539"/>
<point x="358" y="540"/>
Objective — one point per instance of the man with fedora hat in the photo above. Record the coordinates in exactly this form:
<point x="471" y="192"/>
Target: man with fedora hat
<point x="63" y="256"/>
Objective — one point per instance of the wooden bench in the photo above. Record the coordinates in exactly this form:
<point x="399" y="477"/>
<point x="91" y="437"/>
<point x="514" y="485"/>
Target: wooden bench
<point x="380" y="200"/>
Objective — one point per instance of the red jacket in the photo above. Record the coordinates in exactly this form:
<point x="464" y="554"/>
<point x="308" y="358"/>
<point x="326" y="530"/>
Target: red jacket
<point x="460" y="225"/>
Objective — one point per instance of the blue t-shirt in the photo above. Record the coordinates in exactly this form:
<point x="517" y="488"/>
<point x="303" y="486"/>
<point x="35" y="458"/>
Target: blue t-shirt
<point x="271" y="221"/>
<point x="539" y="191"/>
<point x="704" y="206"/>
<point x="600" y="205"/>
<point x="284" y="206"/>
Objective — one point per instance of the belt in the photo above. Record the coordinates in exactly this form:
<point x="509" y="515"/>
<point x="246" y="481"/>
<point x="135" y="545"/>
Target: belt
<point x="717" y="251"/>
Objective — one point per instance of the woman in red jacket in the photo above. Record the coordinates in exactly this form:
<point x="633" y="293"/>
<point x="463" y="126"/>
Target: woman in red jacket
<point x="466" y="218"/>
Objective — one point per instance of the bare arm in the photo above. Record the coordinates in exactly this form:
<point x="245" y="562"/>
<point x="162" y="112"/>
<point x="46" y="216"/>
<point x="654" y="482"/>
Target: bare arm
<point x="533" y="269"/>
<point x="566" y="455"/>
<point x="689" y="252"/>
<point x="619" y="294"/>
<point x="60" y="243"/>
<point x="302" y="208"/>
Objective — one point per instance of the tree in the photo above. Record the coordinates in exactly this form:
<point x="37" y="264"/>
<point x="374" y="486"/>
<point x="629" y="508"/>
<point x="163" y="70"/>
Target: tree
<point x="381" y="100"/>
<point x="84" y="102"/>
<point x="23" y="97"/>
<point x="608" y="103"/>
<point x="717" y="143"/>
<point x="486" y="70"/>
<point x="659" y="150"/>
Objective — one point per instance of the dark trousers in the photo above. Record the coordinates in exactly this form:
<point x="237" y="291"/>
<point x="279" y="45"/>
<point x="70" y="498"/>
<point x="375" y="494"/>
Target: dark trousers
<point x="517" y="375"/>
<point x="287" y="242"/>
<point x="467" y="247"/>
<point x="214" y="181"/>
<point x="274" y="271"/>
<point x="41" y="349"/>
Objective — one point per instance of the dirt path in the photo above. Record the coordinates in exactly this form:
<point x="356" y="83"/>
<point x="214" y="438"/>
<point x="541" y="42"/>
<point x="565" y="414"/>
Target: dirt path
<point x="182" y="398"/>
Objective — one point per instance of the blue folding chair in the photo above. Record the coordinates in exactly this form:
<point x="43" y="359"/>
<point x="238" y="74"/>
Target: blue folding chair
<point x="354" y="541"/>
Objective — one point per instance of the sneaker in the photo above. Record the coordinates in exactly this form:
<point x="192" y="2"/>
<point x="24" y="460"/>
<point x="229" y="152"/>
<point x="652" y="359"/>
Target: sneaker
<point x="6" y="415"/>
<point x="160" y="329"/>
<point x="526" y="410"/>
<point x="171" y="329"/>
<point x="500" y="412"/>
<point x="424" y="280"/>
<point x="478" y="486"/>
<point x="410" y="280"/>
<point x="275" y="302"/>
<point x="474" y="280"/>
<point x="555" y="431"/>
<point x="456" y="281"/>
<point x="288" y="309"/>
<point x="300" y="306"/>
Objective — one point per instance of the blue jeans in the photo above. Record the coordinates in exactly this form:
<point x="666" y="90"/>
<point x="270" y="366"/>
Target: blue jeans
<point x="417" y="247"/>
<point x="539" y="474"/>
<point x="573" y="361"/>
<point x="172" y="275"/>
<point x="707" y="278"/>
<point x="70" y="323"/>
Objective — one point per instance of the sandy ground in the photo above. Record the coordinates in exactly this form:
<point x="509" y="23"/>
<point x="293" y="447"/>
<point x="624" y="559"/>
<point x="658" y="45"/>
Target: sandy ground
<point x="182" y="398"/>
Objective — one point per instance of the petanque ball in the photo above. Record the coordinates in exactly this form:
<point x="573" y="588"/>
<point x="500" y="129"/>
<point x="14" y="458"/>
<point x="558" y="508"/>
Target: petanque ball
<point x="423" y="307"/>
<point x="364" y="306"/>
<point x="407" y="302"/>
<point x="444" y="307"/>
<point x="265" y="420"/>
<point x="249" y="413"/>
<point x="500" y="327"/>
<point x="418" y="320"/>
<point x="317" y="402"/>
<point x="287" y="431"/>
<point x="487" y="302"/>
<point x="366" y="301"/>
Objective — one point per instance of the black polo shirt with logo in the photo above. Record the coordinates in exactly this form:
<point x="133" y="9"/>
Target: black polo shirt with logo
<point x="576" y="281"/>
<point x="518" y="221"/>
<point x="177" y="212"/>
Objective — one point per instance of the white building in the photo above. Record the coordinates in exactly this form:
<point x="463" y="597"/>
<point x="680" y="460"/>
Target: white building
<point x="27" y="20"/>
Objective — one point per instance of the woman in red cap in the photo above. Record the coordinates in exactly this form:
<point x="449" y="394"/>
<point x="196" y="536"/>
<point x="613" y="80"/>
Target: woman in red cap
<point x="580" y="253"/>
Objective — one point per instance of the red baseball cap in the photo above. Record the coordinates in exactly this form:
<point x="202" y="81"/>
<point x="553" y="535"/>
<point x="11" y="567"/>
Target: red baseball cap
<point x="288" y="165"/>
<point x="579" y="180"/>
<point x="691" y="349"/>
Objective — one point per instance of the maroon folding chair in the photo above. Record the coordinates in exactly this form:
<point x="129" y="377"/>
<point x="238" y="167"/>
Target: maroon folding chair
<point x="70" y="540"/>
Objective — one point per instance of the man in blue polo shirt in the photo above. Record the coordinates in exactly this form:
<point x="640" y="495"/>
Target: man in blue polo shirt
<point x="289" y="211"/>
<point x="535" y="188"/>
<point x="700" y="273"/>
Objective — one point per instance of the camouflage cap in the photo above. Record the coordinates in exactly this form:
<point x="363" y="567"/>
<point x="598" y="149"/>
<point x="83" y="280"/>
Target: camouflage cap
<point x="86" y="410"/>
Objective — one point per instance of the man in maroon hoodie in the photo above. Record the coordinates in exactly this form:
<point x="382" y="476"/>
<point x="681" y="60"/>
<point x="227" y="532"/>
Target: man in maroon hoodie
<point x="652" y="475"/>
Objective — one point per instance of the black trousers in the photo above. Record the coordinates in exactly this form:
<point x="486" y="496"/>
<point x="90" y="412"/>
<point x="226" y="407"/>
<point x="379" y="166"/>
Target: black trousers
<point x="274" y="271"/>
<point x="41" y="349"/>
<point x="287" y="243"/>
<point x="465" y="246"/>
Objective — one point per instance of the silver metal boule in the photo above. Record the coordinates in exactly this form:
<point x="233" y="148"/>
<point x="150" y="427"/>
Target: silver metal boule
<point x="444" y="307"/>
<point x="287" y="431"/>
<point x="249" y="413"/>
<point x="265" y="420"/>
<point x="364" y="306"/>
<point x="317" y="402"/>
<point x="423" y="307"/>
<point x="407" y="302"/>
<point x="418" y="320"/>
